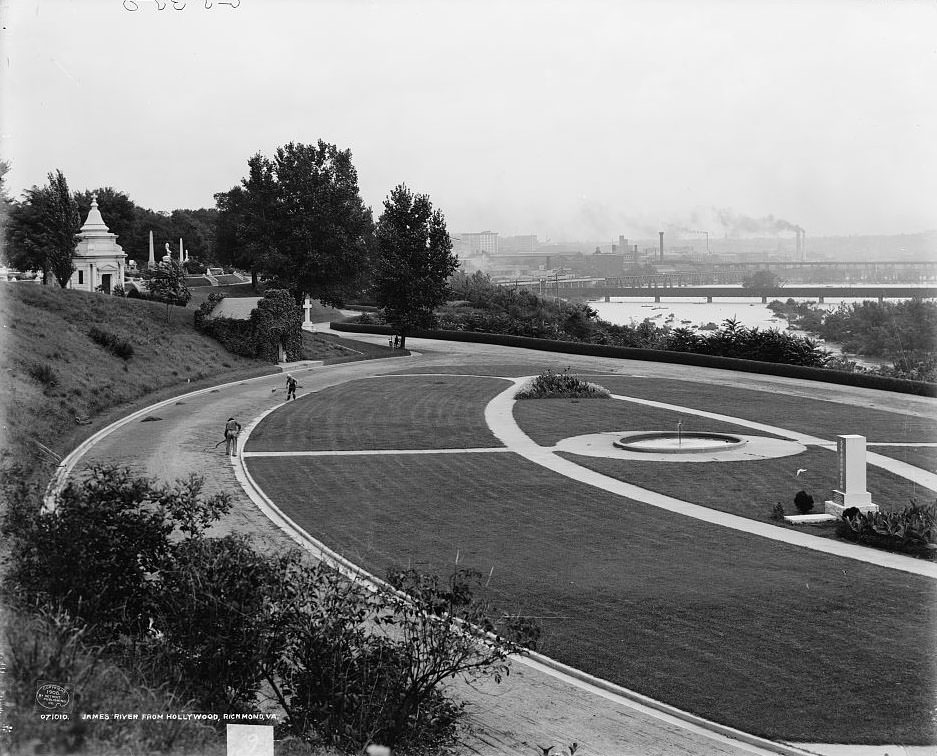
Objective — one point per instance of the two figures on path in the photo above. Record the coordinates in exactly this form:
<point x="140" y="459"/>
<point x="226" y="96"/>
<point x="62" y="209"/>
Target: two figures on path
<point x="232" y="428"/>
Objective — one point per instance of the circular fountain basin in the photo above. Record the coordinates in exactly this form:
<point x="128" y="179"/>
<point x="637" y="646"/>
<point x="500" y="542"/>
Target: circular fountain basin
<point x="670" y="442"/>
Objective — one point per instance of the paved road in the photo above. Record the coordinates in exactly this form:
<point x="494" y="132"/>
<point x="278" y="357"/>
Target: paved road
<point x="534" y="707"/>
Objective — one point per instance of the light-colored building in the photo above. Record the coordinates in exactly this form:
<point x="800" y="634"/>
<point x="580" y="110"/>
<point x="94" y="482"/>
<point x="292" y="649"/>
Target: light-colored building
<point x="99" y="259"/>
<point x="481" y="243"/>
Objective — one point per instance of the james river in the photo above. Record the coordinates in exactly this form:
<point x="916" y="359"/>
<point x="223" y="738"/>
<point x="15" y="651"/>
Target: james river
<point x="689" y="312"/>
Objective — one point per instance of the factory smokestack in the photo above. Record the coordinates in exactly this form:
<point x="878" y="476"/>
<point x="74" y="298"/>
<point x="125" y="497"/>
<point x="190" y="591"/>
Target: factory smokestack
<point x="661" y="245"/>
<point x="801" y="244"/>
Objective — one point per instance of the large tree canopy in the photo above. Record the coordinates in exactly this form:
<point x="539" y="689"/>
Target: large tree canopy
<point x="299" y="218"/>
<point x="414" y="261"/>
<point x="42" y="230"/>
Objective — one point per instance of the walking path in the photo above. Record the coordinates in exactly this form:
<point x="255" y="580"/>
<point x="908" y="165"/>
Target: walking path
<point x="536" y="705"/>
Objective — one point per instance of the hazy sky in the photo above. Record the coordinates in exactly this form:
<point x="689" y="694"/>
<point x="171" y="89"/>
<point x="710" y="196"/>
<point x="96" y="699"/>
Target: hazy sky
<point x="570" y="119"/>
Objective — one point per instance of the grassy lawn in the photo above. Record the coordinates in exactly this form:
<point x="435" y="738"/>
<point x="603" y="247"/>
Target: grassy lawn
<point x="750" y="489"/>
<point x="419" y="412"/>
<point x="548" y="421"/>
<point x="746" y="488"/>
<point x="335" y="349"/>
<point x="770" y="638"/>
<point x="816" y="417"/>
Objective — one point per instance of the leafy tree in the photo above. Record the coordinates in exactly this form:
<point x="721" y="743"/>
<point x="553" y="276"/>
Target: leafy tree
<point x="414" y="261"/>
<point x="23" y="246"/>
<point x="303" y="221"/>
<point x="247" y="224"/>
<point x="5" y="208"/>
<point x="42" y="230"/>
<point x="166" y="283"/>
<point x="761" y="279"/>
<point x="197" y="230"/>
<point x="62" y="224"/>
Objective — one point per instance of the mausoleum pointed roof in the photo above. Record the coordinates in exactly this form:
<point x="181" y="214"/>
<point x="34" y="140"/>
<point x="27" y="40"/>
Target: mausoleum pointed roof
<point x="94" y="225"/>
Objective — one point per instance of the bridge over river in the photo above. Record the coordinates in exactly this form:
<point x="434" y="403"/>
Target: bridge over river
<point x="580" y="290"/>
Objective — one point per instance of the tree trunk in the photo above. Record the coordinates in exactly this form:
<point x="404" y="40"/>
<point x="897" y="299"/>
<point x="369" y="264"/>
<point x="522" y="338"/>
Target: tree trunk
<point x="253" y="279"/>
<point x="403" y="341"/>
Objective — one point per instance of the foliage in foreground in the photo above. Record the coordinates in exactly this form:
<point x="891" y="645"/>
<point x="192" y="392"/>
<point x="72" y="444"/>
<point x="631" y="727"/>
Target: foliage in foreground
<point x="551" y="385"/>
<point x="912" y="530"/>
<point x="120" y="580"/>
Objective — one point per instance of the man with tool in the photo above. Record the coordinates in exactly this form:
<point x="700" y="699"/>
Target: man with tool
<point x="232" y="429"/>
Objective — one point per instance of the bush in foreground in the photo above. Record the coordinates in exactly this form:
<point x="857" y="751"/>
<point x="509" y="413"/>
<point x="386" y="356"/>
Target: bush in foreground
<point x="118" y="581"/>
<point x="550" y="385"/>
<point x="98" y="554"/>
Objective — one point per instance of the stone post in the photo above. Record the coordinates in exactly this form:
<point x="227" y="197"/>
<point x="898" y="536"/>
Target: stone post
<point x="152" y="261"/>
<point x="307" y="320"/>
<point x="850" y="450"/>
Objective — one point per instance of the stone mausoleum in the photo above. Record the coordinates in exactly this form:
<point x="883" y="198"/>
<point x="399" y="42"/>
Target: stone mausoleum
<point x="99" y="259"/>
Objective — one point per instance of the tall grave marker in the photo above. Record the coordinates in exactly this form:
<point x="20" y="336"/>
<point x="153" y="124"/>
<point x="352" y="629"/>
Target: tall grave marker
<point x="851" y="492"/>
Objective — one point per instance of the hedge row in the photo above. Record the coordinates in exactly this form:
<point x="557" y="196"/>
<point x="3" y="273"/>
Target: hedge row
<point x="658" y="355"/>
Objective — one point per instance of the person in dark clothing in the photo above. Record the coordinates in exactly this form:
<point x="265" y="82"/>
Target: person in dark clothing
<point x="232" y="429"/>
<point x="290" y="387"/>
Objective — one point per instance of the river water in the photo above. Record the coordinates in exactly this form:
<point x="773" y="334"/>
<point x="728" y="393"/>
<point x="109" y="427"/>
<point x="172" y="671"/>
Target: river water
<point x="695" y="312"/>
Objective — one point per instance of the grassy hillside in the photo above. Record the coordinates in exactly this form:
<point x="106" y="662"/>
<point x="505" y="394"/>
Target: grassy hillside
<point x="55" y="372"/>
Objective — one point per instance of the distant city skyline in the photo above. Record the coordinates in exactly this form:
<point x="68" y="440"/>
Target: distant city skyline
<point x="568" y="120"/>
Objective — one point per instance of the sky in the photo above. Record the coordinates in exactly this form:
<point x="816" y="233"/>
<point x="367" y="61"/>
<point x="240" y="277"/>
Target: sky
<point x="566" y="119"/>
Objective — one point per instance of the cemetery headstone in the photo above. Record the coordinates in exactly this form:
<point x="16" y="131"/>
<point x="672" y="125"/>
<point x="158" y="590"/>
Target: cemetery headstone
<point x="850" y="450"/>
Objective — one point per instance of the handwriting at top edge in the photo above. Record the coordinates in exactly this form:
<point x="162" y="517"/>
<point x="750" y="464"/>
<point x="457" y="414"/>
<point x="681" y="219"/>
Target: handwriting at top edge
<point x="134" y="5"/>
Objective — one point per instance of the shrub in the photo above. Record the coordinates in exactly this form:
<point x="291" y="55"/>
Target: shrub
<point x="550" y="385"/>
<point x="43" y="374"/>
<point x="115" y="344"/>
<point x="777" y="512"/>
<point x="911" y="530"/>
<point x="803" y="501"/>
<point x="212" y="614"/>
<point x="98" y="554"/>
<point x="366" y="666"/>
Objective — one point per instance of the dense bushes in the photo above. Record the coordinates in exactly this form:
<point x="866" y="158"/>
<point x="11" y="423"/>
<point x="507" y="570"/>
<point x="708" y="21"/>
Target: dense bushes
<point x="116" y="345"/>
<point x="912" y="530"/>
<point x="518" y="312"/>
<point x="551" y="385"/>
<point x="98" y="554"/>
<point x="127" y="582"/>
<point x="905" y="332"/>
<point x="276" y="321"/>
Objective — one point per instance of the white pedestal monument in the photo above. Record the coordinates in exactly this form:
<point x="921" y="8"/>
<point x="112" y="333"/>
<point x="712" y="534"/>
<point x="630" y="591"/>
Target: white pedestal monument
<point x="307" y="321"/>
<point x="851" y="492"/>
